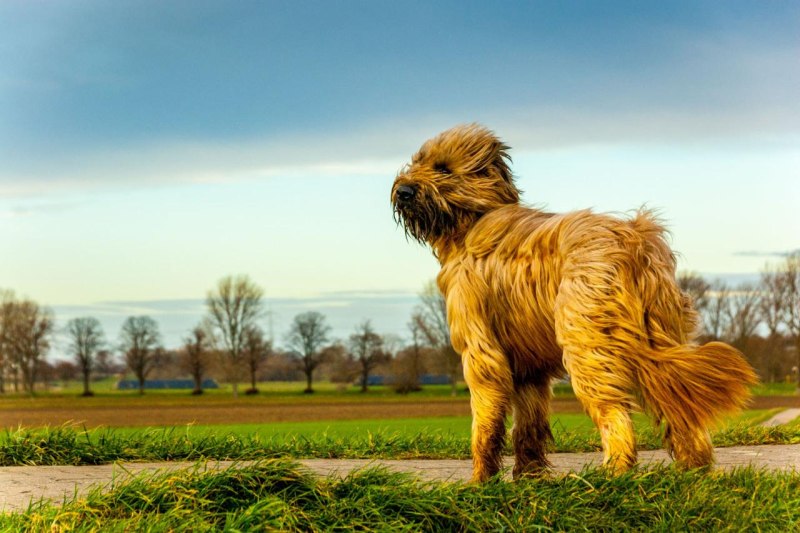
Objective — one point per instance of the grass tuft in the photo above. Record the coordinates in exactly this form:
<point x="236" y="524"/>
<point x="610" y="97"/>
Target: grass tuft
<point x="280" y="495"/>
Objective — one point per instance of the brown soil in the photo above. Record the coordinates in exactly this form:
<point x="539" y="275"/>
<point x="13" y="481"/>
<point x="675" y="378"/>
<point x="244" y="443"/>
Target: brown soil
<point x="166" y="415"/>
<point x="773" y="402"/>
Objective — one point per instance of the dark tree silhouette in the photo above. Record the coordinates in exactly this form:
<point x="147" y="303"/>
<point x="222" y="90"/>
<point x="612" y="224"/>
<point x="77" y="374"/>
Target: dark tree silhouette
<point x="366" y="347"/>
<point x="256" y="351"/>
<point x="86" y="339"/>
<point x="26" y="332"/>
<point x="233" y="307"/>
<point x="139" y="342"/>
<point x="431" y="319"/>
<point x="307" y="335"/>
<point x="195" y="356"/>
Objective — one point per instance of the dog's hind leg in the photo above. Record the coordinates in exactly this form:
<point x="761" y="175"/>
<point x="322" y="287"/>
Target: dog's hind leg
<point x="606" y="400"/>
<point x="690" y="447"/>
<point x="531" y="433"/>
<point x="592" y="331"/>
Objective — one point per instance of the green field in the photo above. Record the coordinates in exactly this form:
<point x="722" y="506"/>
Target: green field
<point x="454" y="426"/>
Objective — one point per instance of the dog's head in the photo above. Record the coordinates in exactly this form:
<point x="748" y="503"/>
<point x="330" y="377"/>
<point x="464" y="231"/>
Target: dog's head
<point x="451" y="181"/>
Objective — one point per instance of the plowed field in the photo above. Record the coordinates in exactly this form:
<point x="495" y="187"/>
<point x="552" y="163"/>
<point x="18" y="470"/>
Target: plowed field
<point x="119" y="413"/>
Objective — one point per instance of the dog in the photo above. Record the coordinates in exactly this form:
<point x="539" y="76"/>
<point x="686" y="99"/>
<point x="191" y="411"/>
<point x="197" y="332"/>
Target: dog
<point x="532" y="294"/>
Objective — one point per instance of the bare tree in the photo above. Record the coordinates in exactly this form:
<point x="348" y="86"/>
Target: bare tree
<point x="27" y="335"/>
<point x="104" y="363"/>
<point x="696" y="287"/>
<point x="792" y="320"/>
<point x="6" y="309"/>
<point x="341" y="364"/>
<point x="140" y="341"/>
<point x="307" y="335"/>
<point x="65" y="371"/>
<point x="366" y="346"/>
<point x="409" y="363"/>
<point x="86" y="339"/>
<point x="194" y="357"/>
<point x="234" y="307"/>
<point x="743" y="315"/>
<point x="716" y="312"/>
<point x="256" y="350"/>
<point x="773" y="306"/>
<point x="431" y="319"/>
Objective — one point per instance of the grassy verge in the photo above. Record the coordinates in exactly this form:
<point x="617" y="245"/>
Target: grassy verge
<point x="416" y="438"/>
<point x="277" y="495"/>
<point x="775" y="389"/>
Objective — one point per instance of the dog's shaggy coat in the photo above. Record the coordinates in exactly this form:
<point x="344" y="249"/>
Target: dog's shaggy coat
<point x="530" y="294"/>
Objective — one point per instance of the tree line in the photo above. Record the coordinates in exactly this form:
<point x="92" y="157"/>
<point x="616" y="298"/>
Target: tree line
<point x="762" y="320"/>
<point x="228" y="342"/>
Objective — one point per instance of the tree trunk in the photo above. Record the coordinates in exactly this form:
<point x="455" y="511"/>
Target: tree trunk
<point x="235" y="385"/>
<point x="198" y="384"/>
<point x="364" y="378"/>
<point x="141" y="385"/>
<point x="86" y="391"/>
<point x="28" y="377"/>
<point x="309" y="389"/>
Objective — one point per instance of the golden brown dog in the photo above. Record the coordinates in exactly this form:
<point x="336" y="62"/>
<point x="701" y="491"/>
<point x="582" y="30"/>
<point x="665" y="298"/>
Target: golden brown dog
<point x="531" y="293"/>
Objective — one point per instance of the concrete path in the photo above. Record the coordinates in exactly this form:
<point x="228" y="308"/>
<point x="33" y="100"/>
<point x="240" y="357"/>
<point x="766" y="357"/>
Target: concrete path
<point x="19" y="485"/>
<point x="784" y="417"/>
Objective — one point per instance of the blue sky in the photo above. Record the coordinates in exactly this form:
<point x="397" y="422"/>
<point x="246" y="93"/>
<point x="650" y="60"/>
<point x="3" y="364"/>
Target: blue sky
<point x="149" y="148"/>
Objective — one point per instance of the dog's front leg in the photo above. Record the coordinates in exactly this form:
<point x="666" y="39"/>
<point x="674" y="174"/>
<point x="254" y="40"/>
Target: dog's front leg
<point x="489" y="379"/>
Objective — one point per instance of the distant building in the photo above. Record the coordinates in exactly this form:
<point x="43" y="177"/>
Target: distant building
<point x="133" y="384"/>
<point x="425" y="379"/>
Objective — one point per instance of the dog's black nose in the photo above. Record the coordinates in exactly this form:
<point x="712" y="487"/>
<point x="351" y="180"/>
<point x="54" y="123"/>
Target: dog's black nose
<point x="405" y="193"/>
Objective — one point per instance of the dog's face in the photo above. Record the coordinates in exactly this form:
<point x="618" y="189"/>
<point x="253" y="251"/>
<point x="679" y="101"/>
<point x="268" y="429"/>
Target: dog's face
<point x="451" y="181"/>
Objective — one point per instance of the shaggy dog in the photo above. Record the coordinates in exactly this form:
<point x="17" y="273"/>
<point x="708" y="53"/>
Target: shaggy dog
<point x="530" y="294"/>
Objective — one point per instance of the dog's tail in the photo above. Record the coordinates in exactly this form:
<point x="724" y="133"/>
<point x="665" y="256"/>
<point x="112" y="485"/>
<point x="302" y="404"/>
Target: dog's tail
<point x="691" y="386"/>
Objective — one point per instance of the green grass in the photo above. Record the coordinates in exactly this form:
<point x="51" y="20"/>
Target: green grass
<point x="458" y="426"/>
<point x="400" y="439"/>
<point x="775" y="389"/>
<point x="278" y="495"/>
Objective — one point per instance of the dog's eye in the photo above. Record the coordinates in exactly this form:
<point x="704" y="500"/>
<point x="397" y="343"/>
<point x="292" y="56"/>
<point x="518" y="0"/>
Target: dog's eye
<point x="442" y="168"/>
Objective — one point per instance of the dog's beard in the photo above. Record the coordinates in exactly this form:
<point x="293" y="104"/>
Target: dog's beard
<point x="425" y="222"/>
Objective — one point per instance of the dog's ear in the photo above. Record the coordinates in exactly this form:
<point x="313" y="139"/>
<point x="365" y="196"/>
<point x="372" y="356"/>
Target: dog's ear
<point x="474" y="149"/>
<point x="501" y="161"/>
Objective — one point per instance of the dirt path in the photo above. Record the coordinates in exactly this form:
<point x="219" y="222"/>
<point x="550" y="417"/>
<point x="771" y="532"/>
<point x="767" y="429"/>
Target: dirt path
<point x="167" y="415"/>
<point x="226" y="413"/>
<point x="784" y="417"/>
<point x="19" y="485"/>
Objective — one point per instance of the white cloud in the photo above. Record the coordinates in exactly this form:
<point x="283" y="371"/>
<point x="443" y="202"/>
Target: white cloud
<point x="377" y="150"/>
